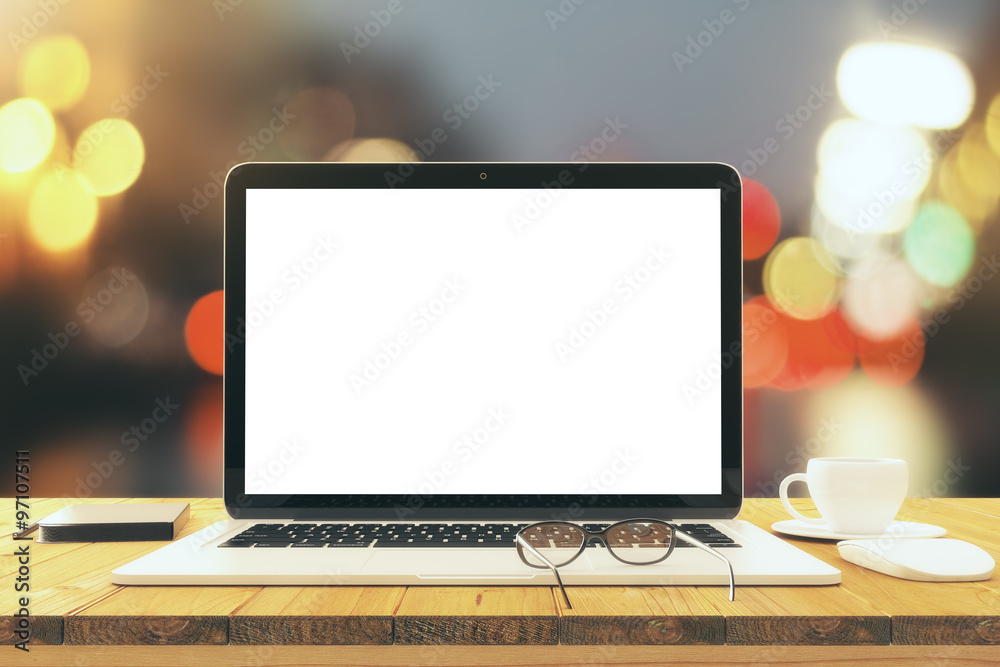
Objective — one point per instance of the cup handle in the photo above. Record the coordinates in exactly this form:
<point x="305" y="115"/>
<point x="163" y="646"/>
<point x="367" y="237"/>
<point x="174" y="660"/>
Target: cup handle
<point x="783" y="493"/>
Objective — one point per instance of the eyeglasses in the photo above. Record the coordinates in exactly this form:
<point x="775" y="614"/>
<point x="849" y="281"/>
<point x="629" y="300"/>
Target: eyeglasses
<point x="552" y="544"/>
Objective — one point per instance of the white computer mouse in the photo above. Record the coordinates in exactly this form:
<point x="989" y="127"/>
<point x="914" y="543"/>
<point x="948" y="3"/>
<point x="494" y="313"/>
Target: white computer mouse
<point x="931" y="559"/>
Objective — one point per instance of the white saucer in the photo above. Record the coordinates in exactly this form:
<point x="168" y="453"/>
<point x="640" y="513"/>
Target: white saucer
<point x="896" y="529"/>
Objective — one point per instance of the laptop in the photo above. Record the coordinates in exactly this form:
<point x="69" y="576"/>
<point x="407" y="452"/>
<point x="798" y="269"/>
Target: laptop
<point x="422" y="359"/>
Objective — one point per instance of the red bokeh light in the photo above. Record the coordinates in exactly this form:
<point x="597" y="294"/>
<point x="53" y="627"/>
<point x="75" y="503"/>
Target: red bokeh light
<point x="203" y="429"/>
<point x="761" y="220"/>
<point x="765" y="343"/>
<point x="820" y="352"/>
<point x="203" y="332"/>
<point x="894" y="361"/>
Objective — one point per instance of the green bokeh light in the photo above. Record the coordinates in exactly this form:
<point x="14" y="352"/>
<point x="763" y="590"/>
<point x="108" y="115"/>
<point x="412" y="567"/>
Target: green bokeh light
<point x="939" y="244"/>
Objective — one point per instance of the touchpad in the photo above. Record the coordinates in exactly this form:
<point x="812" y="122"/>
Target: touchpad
<point x="460" y="563"/>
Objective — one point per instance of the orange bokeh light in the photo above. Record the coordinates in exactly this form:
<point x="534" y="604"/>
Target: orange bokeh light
<point x="820" y="352"/>
<point x="761" y="219"/>
<point x="765" y="343"/>
<point x="894" y="361"/>
<point x="203" y="431"/>
<point x="203" y="332"/>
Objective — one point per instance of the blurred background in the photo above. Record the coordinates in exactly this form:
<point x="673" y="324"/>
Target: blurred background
<point x="867" y="133"/>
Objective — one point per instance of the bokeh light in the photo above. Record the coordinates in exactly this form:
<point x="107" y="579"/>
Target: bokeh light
<point x="27" y="134"/>
<point x="320" y="118"/>
<point x="969" y="179"/>
<point x="875" y="420"/>
<point x="203" y="332"/>
<point x="62" y="214"/>
<point x="116" y="306"/>
<point x="761" y="219"/>
<point x="765" y="343"/>
<point x="993" y="125"/>
<point x="847" y="249"/>
<point x="906" y="84"/>
<point x="373" y="150"/>
<point x="869" y="174"/>
<point x="893" y="361"/>
<point x="939" y="244"/>
<point x="56" y="71"/>
<point x="798" y="279"/>
<point x="882" y="298"/>
<point x="820" y="352"/>
<point x="203" y="431"/>
<point x="110" y="154"/>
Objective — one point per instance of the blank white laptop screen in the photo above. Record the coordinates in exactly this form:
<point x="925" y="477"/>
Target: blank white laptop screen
<point x="483" y="341"/>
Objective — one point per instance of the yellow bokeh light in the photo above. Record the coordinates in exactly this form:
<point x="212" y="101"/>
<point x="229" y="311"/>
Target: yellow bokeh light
<point x="799" y="279"/>
<point x="374" y="150"/>
<point x="55" y="71"/>
<point x="62" y="214"/>
<point x="978" y="166"/>
<point x="993" y="125"/>
<point x="898" y="422"/>
<point x="108" y="156"/>
<point x="964" y="190"/>
<point x="905" y="84"/>
<point x="27" y="133"/>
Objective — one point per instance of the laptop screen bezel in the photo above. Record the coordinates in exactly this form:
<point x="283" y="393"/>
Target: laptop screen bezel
<point x="404" y="507"/>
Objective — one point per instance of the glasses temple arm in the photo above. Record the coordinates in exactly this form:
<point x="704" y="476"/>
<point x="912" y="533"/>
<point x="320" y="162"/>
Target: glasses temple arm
<point x="704" y="547"/>
<point x="524" y="543"/>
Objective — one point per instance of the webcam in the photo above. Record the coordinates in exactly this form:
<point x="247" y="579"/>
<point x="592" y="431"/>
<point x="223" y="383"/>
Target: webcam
<point x="482" y="176"/>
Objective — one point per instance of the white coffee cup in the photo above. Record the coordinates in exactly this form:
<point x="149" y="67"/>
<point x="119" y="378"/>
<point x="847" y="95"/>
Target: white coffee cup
<point x="856" y="496"/>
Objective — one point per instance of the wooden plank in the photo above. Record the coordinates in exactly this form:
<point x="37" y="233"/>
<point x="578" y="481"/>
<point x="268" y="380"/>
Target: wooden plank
<point x="317" y="615"/>
<point x="158" y="615"/>
<point x="804" y="616"/>
<point x="989" y="506"/>
<point x="67" y="577"/>
<point x="44" y="630"/>
<point x="513" y="656"/>
<point x="126" y="629"/>
<point x="944" y="607"/>
<point x="618" y="615"/>
<point x="471" y="615"/>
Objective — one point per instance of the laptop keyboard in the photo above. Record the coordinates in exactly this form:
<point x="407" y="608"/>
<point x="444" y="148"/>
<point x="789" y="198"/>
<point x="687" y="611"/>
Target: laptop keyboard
<point x="388" y="535"/>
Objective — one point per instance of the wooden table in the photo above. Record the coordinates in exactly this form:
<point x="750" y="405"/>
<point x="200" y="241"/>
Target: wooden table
<point x="79" y="617"/>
